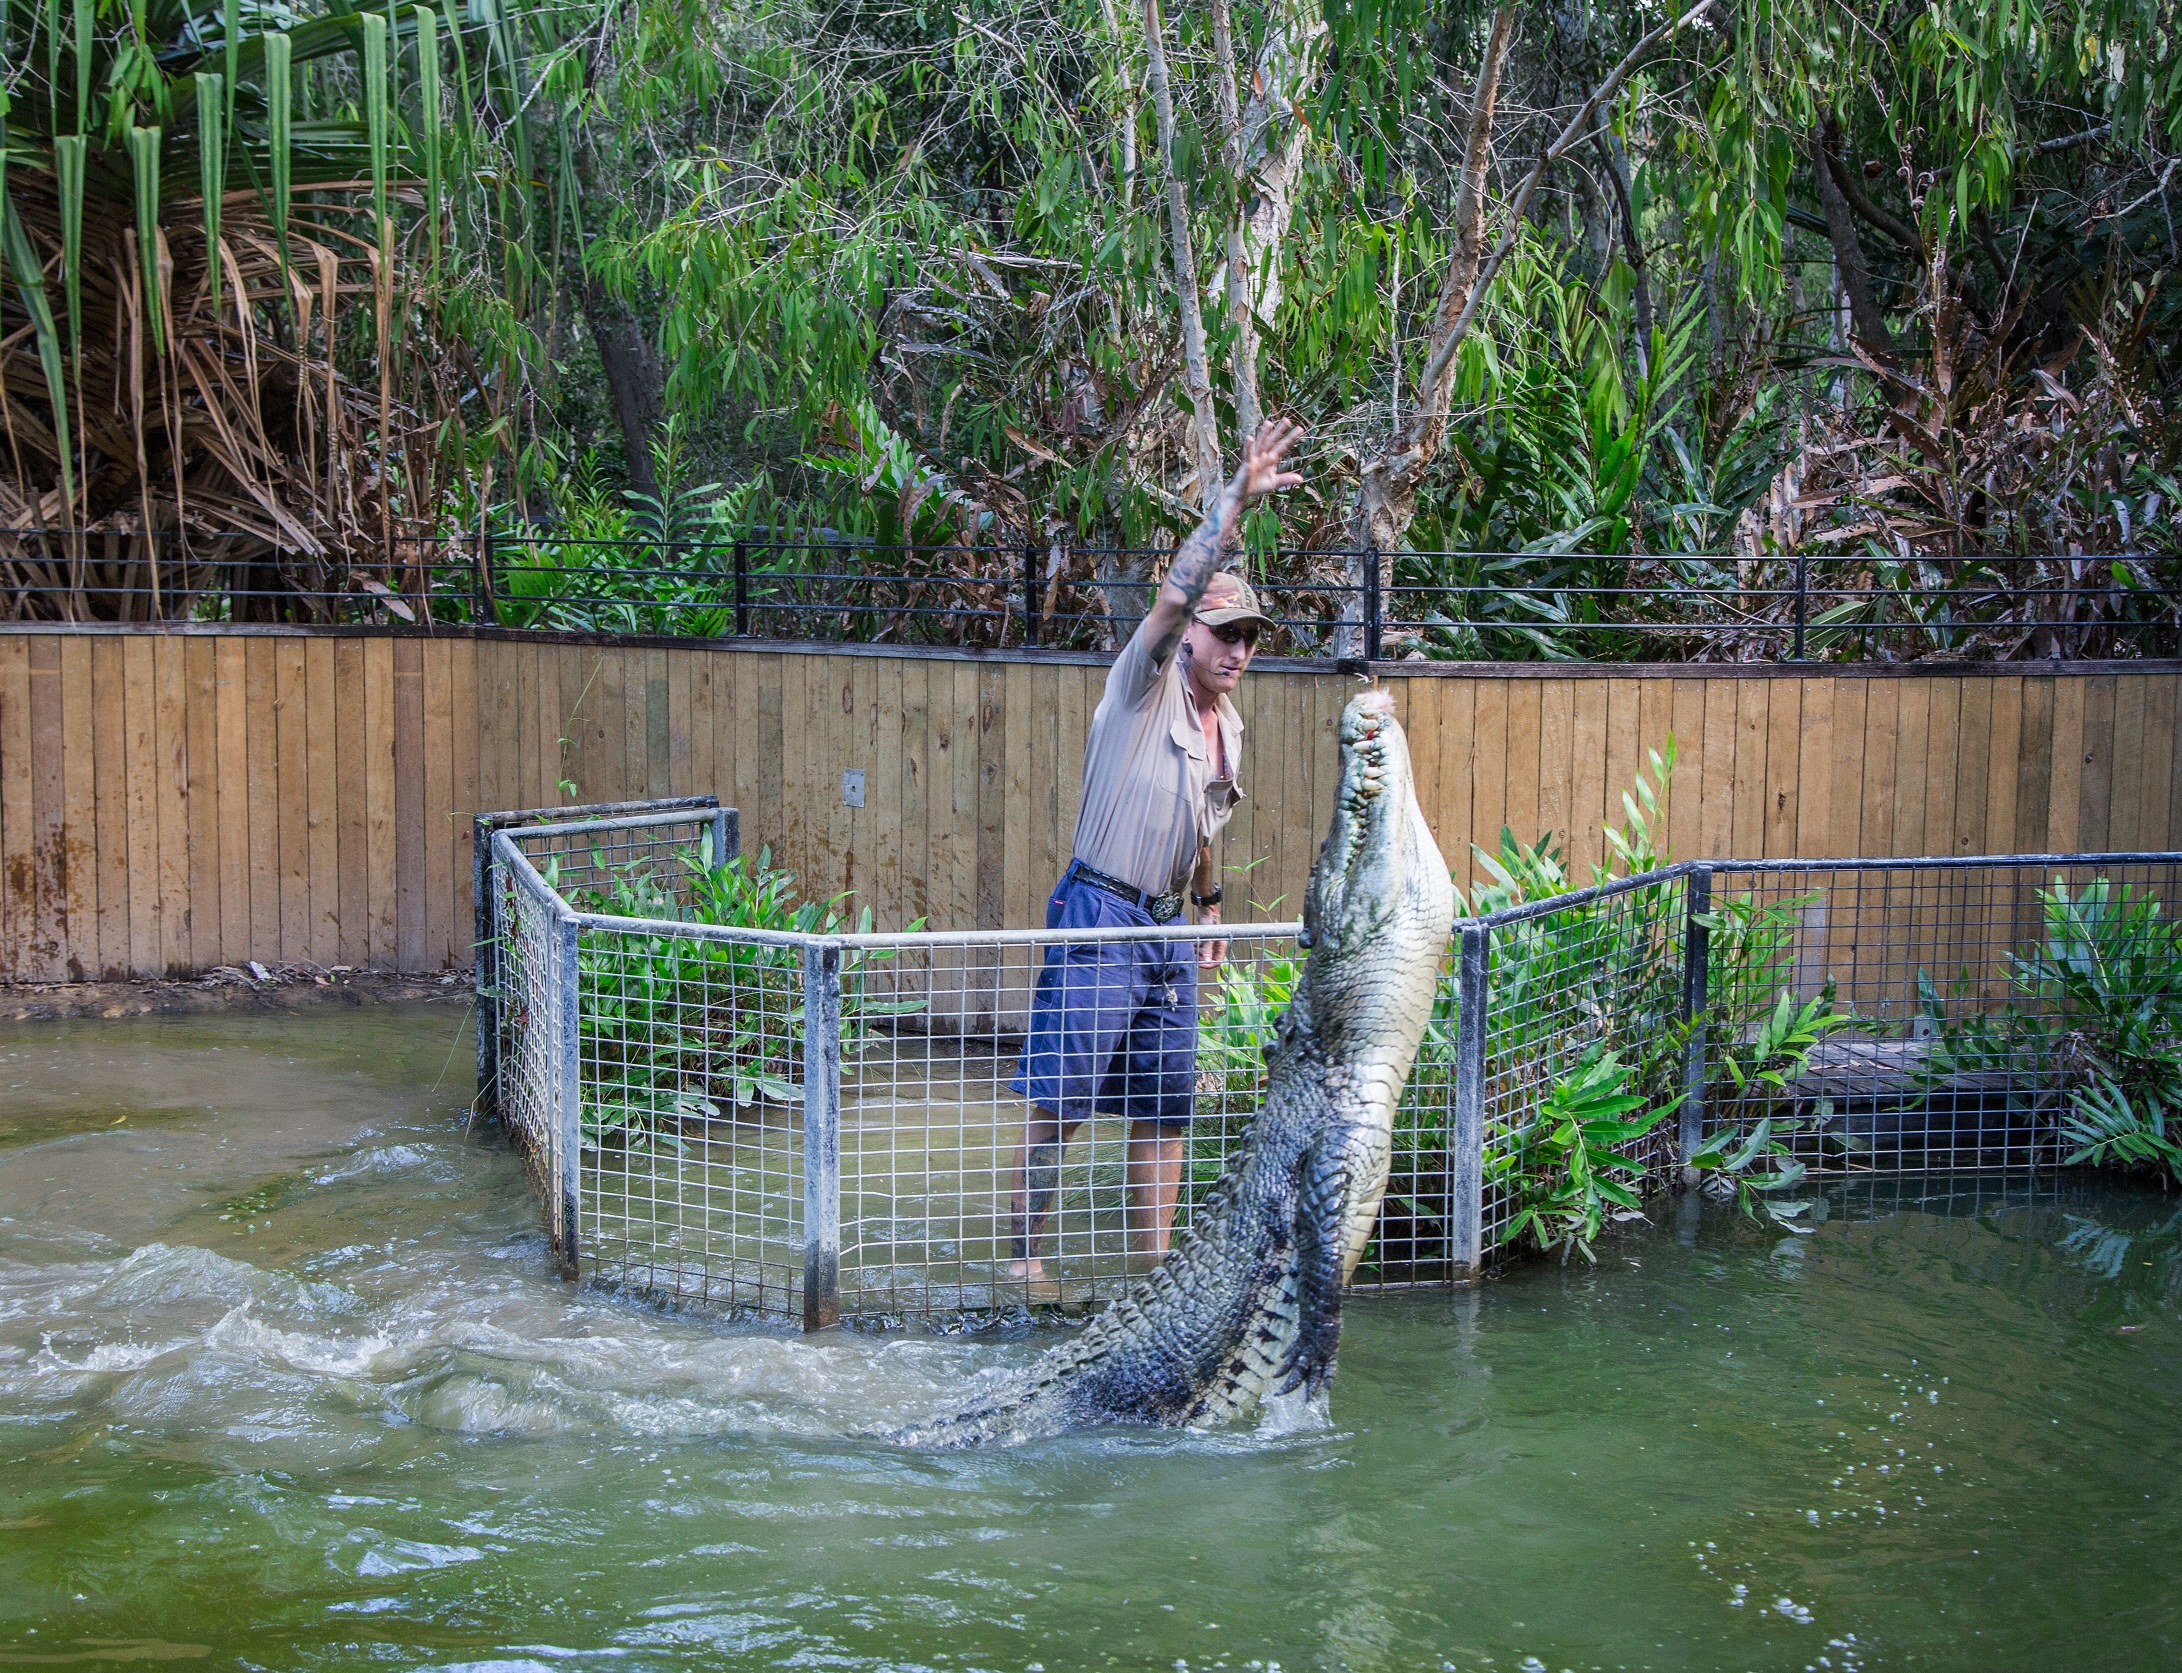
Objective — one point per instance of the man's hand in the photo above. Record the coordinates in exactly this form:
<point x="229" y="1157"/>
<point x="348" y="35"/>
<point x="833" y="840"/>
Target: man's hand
<point x="1211" y="954"/>
<point x="1261" y="473"/>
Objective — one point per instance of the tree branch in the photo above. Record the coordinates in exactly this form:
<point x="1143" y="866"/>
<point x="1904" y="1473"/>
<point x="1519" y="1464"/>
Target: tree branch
<point x="1852" y="190"/>
<point x="1865" y="316"/>
<point x="1204" y="437"/>
<point x="1437" y="369"/>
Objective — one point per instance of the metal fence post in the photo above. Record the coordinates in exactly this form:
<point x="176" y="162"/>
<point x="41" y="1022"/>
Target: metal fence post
<point x="1033" y="603"/>
<point x="1466" y="1164"/>
<point x="821" y="1136"/>
<point x="742" y="589"/>
<point x="726" y="834"/>
<point x="1696" y="998"/>
<point x="485" y="966"/>
<point x="1372" y="611"/>
<point x="568" y="1083"/>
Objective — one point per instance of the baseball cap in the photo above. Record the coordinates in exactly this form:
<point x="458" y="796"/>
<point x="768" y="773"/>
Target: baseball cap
<point x="1229" y="598"/>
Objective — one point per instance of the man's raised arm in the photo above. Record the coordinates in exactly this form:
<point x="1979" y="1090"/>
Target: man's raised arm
<point x="1198" y="557"/>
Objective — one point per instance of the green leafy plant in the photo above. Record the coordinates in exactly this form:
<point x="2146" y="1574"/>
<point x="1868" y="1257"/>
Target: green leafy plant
<point x="2110" y="1129"/>
<point x="681" y="1027"/>
<point x="1568" y="1169"/>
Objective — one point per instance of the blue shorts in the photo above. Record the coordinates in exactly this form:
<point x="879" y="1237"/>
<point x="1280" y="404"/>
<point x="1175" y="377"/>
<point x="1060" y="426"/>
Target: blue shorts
<point x="1113" y="1025"/>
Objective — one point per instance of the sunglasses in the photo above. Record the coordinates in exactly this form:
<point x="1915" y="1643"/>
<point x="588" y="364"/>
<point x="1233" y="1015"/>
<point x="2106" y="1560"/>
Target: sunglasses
<point x="1235" y="633"/>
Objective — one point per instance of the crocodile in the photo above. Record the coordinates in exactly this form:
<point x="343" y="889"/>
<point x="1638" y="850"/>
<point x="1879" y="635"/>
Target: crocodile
<point x="1246" y="1309"/>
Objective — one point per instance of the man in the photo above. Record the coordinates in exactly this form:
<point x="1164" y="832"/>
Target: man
<point x="1113" y="1026"/>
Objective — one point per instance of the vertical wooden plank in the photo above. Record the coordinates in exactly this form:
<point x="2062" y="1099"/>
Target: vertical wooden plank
<point x="1071" y="732"/>
<point x="351" y="806"/>
<point x="171" y="740"/>
<point x="79" y="802"/>
<point x="1525" y="724"/>
<point x="1490" y="800"/>
<point x="1753" y="704"/>
<point x="321" y="815"/>
<point x="292" y="742"/>
<point x="1686" y="801"/>
<point x="200" y="675"/>
<point x="1588" y="729"/>
<point x="1017" y="733"/>
<point x="1655" y="719"/>
<point x="1783" y="766"/>
<point x="915" y="890"/>
<point x="1969" y="763"/>
<point x="772" y="710"/>
<point x="1811" y="833"/>
<point x="141" y="746"/>
<point x="1845" y="768"/>
<point x="231" y="677"/>
<point x="1912" y="775"/>
<point x="992" y="795"/>
<point x="110" y="817"/>
<point x="1876" y="804"/>
<point x="2095" y="823"/>
<point x="1452" y="813"/>
<point x="1716" y="825"/>
<point x="409" y="854"/>
<point x="682" y="669"/>
<point x="48" y="814"/>
<point x="2034" y="768"/>
<point x="2003" y="754"/>
<point x="870" y="741"/>
<point x="382" y="903"/>
<point x="436" y="822"/>
<point x="1943" y="761"/>
<point x="1625" y="745"/>
<point x="957" y="740"/>
<point x="17" y="862"/>
<point x="2064" y="819"/>
<point x="1556" y="765"/>
<point x="464" y="801"/>
<point x="2124" y="824"/>
<point x="2153" y="830"/>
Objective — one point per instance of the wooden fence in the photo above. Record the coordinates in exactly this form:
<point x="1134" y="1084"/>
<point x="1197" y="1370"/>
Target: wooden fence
<point x="173" y="800"/>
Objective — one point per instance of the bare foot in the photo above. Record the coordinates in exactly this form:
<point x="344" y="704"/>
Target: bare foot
<point x="1031" y="1274"/>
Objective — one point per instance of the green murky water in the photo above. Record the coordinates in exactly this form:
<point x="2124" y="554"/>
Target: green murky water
<point x="285" y="1382"/>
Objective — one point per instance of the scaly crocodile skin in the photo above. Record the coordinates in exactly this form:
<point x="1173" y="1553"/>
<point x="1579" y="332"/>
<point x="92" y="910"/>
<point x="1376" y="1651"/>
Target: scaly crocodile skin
<point x="1248" y="1303"/>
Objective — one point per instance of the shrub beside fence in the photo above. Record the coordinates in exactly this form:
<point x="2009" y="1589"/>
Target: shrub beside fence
<point x="778" y="1114"/>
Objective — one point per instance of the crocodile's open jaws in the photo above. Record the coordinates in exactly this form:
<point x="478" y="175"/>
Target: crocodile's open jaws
<point x="1247" y="1306"/>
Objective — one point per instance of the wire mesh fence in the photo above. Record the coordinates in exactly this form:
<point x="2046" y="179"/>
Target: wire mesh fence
<point x="814" y="1125"/>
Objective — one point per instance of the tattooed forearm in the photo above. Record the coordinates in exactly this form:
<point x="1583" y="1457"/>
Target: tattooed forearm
<point x="1197" y="559"/>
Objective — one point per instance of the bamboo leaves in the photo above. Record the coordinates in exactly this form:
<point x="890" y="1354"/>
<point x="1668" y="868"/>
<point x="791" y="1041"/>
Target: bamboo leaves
<point x="21" y="261"/>
<point x="144" y="175"/>
<point x="279" y="85"/>
<point x="428" y="100"/>
<point x="68" y="160"/>
<point x="211" y="174"/>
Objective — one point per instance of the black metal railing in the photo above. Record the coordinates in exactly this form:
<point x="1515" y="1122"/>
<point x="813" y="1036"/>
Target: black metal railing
<point x="1490" y="606"/>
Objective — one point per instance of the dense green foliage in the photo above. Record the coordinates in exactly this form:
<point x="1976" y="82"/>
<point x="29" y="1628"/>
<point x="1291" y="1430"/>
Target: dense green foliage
<point x="1890" y="281"/>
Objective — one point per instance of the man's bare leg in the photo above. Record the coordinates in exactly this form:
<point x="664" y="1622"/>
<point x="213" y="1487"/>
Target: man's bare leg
<point x="1153" y="1182"/>
<point x="1036" y="1172"/>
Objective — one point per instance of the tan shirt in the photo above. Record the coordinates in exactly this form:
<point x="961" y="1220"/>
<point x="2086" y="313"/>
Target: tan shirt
<point x="1152" y="794"/>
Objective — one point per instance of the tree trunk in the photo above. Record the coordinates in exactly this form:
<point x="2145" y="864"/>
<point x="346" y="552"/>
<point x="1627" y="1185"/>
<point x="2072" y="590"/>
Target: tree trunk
<point x="1196" y="374"/>
<point x="1386" y="488"/>
<point x="633" y="381"/>
<point x="1848" y="253"/>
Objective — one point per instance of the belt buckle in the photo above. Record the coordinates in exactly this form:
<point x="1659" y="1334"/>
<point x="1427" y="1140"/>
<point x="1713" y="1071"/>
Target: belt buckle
<point x="1165" y="908"/>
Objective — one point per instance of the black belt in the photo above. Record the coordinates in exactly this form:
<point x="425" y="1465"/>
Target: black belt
<point x="1164" y="909"/>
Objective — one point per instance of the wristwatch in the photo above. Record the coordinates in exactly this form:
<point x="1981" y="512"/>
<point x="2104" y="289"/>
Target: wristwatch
<point x="1213" y="899"/>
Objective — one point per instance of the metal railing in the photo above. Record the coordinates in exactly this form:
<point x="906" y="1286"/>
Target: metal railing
<point x="1325" y="602"/>
<point x="813" y="1125"/>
